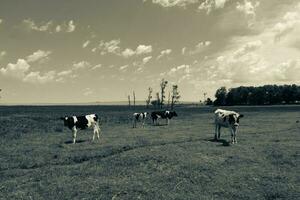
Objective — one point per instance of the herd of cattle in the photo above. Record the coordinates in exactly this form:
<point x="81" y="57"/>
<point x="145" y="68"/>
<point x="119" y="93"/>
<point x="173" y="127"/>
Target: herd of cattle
<point x="223" y="118"/>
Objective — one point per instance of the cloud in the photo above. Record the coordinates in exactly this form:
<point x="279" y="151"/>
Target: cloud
<point x="81" y="65"/>
<point x="2" y="54"/>
<point x="70" y="27"/>
<point x="249" y="10"/>
<point x="287" y="25"/>
<point x="97" y="66"/>
<point x="146" y="59"/>
<point x="88" y="91"/>
<point x="143" y="49"/>
<point x="1" y="21"/>
<point x="39" y="55"/>
<point x="199" y="47"/>
<point x="128" y="53"/>
<point x="248" y="47"/>
<point x="123" y="68"/>
<point x="172" y="3"/>
<point x="36" y="77"/>
<point x="85" y="44"/>
<point x="43" y="27"/>
<point x="164" y="53"/>
<point x="65" y="73"/>
<point x="108" y="47"/>
<point x="209" y="5"/>
<point x="16" y="70"/>
<point x="49" y="26"/>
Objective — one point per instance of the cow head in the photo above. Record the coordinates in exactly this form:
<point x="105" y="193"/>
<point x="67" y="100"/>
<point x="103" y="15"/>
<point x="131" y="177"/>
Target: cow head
<point x="174" y="113"/>
<point x="68" y="121"/>
<point x="234" y="120"/>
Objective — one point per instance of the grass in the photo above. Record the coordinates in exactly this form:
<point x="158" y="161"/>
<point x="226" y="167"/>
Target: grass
<point x="179" y="161"/>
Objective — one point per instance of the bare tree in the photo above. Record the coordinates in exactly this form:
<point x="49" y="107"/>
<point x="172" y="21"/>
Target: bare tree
<point x="169" y="99"/>
<point x="158" y="102"/>
<point x="133" y="99"/>
<point x="129" y="101"/>
<point x="175" y="95"/>
<point x="150" y="90"/>
<point x="163" y="85"/>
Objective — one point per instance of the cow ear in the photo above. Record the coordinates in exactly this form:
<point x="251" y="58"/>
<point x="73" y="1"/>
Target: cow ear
<point x="240" y="116"/>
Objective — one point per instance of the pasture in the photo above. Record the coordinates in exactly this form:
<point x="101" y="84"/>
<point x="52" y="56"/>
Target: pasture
<point x="179" y="161"/>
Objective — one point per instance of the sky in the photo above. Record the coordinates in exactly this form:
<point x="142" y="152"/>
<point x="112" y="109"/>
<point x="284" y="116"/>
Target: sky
<point x="74" y="51"/>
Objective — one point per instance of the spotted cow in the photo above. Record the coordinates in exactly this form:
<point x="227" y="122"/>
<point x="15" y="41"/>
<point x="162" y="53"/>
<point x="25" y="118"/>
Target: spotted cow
<point x="82" y="122"/>
<point x="229" y="119"/>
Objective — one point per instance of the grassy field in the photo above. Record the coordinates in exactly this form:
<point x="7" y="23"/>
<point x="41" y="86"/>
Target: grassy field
<point x="179" y="161"/>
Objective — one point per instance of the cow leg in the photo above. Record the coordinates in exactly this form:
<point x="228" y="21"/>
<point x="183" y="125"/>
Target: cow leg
<point x="143" y="125"/>
<point x="134" y="123"/>
<point x="232" y="136"/>
<point x="74" y="130"/>
<point x="216" y="132"/>
<point x="98" y="132"/>
<point x="219" y="132"/>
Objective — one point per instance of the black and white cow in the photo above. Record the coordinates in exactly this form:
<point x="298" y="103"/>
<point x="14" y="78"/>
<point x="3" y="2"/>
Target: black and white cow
<point x="166" y="114"/>
<point x="139" y="117"/>
<point x="229" y="119"/>
<point x="82" y="122"/>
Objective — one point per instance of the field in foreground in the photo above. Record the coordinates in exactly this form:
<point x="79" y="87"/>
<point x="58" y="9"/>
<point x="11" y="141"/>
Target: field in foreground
<point x="179" y="161"/>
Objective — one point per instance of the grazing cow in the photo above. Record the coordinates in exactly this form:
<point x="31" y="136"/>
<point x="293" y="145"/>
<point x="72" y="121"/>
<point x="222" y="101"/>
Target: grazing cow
<point x="164" y="115"/>
<point x="139" y="117"/>
<point x="82" y="122"/>
<point x="229" y="119"/>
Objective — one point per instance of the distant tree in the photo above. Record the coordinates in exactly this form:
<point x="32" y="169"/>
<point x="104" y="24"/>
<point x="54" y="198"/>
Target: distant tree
<point x="163" y="85"/>
<point x="208" y="102"/>
<point x="158" y="101"/>
<point x="220" y="95"/>
<point x="129" y="101"/>
<point x="169" y="100"/>
<point x="133" y="93"/>
<point x="175" y="96"/>
<point x="148" y="101"/>
<point x="262" y="95"/>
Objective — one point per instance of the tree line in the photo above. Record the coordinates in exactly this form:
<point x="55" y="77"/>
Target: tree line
<point x="262" y="95"/>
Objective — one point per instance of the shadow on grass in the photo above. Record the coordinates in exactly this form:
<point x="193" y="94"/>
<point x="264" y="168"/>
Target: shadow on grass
<point x="77" y="141"/>
<point x="160" y="125"/>
<point x="225" y="143"/>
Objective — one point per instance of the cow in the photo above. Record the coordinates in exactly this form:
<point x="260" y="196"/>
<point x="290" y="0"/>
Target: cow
<point x="229" y="119"/>
<point x="166" y="114"/>
<point x="139" y="117"/>
<point x="82" y="122"/>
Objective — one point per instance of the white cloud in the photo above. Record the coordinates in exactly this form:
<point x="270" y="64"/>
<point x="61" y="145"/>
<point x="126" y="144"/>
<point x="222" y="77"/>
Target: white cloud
<point x="172" y="3"/>
<point x="17" y="70"/>
<point x="88" y="91"/>
<point x="71" y="26"/>
<point x="199" y="47"/>
<point x="81" y="65"/>
<point x="36" y="77"/>
<point x="164" y="53"/>
<point x="39" y="55"/>
<point x="43" y="27"/>
<point x="97" y="66"/>
<point x="49" y="26"/>
<point x="287" y="24"/>
<point x="123" y="68"/>
<point x="249" y="10"/>
<point x="209" y="5"/>
<point x="146" y="59"/>
<point x="1" y="21"/>
<point x="65" y="73"/>
<point x="108" y="47"/>
<point x="128" y="53"/>
<point x="143" y="49"/>
<point x="58" y="28"/>
<point x="248" y="47"/>
<point x="2" y="54"/>
<point x="85" y="44"/>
